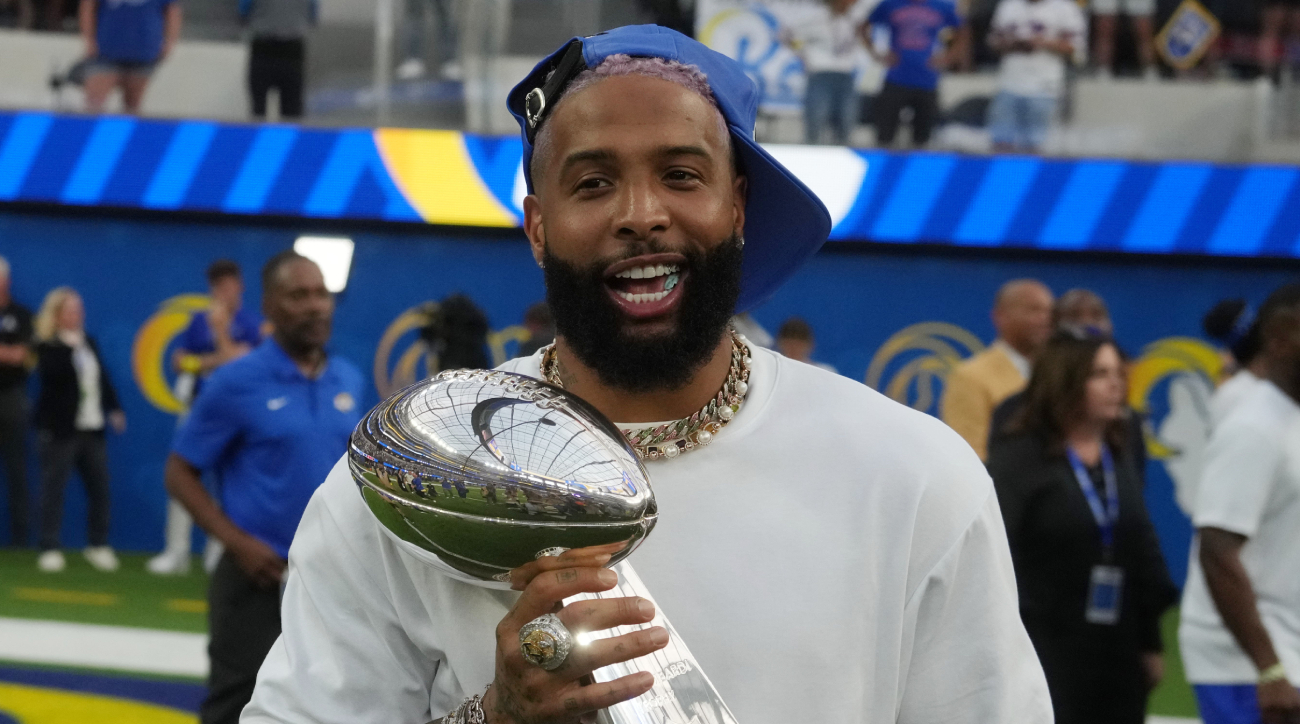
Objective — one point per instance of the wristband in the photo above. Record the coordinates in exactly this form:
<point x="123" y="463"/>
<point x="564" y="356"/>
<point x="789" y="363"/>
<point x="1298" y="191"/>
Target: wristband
<point x="1272" y="674"/>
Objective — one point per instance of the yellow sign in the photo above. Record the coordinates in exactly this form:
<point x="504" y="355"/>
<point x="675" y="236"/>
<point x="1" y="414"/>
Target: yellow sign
<point x="435" y="173"/>
<point x="1190" y="32"/>
<point x="149" y="352"/>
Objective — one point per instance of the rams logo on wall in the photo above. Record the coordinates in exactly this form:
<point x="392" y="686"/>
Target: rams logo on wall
<point x="911" y="366"/>
<point x="1170" y="385"/>
<point x="151" y="352"/>
<point x="403" y="357"/>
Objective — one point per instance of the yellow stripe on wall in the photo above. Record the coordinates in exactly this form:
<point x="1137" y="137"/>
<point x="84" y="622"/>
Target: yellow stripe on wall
<point x="438" y="178"/>
<point x="36" y="705"/>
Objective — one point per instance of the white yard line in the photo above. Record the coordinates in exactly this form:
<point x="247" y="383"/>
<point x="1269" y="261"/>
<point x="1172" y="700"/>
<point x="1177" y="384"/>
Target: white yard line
<point x="121" y="648"/>
<point x="1171" y="720"/>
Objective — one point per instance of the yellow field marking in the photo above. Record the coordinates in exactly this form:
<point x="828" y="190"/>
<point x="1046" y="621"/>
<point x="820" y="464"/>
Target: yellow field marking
<point x="58" y="595"/>
<point x="186" y="605"/>
<point x="36" y="705"/>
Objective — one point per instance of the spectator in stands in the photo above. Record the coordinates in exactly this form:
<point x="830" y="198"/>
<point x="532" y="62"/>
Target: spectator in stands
<point x="225" y="332"/>
<point x="1232" y="324"/>
<point x="1279" y="18"/>
<point x="270" y="423"/>
<point x="413" y="66"/>
<point x="795" y="340"/>
<point x="77" y="402"/>
<point x="1239" y="640"/>
<point x="827" y="42"/>
<point x="541" y="329"/>
<point x="277" y="51"/>
<point x="124" y="42"/>
<point x="1092" y="581"/>
<point x="916" y="55"/>
<point x="676" y="14"/>
<point x="1022" y="316"/>
<point x="1105" y="16"/>
<point x="15" y="354"/>
<point x="1035" y="39"/>
<point x="482" y="34"/>
<point x="16" y="14"/>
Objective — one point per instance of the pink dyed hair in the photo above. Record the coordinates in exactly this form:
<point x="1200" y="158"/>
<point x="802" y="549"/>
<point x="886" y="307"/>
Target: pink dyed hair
<point x="689" y="77"/>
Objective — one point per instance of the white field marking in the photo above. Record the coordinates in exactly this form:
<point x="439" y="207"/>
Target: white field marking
<point x="121" y="648"/>
<point x="1171" y="720"/>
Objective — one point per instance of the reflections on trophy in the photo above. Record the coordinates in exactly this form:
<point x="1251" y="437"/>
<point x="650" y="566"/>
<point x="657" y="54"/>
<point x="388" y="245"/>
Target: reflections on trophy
<point x="490" y="470"/>
<point x="487" y="469"/>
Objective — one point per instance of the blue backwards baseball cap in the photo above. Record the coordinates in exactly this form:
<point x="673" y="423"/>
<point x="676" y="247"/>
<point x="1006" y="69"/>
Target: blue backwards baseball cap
<point x="785" y="223"/>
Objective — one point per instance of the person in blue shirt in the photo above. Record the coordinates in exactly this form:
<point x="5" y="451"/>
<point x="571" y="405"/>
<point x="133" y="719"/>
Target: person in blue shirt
<point x="916" y="54"/>
<point x="224" y="332"/>
<point x="270" y="424"/>
<point x="124" y="40"/>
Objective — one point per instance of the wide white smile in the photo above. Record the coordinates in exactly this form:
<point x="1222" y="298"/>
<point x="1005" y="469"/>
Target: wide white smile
<point x="669" y="272"/>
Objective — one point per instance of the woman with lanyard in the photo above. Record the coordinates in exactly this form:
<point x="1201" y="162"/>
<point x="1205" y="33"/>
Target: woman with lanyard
<point x="1092" y="580"/>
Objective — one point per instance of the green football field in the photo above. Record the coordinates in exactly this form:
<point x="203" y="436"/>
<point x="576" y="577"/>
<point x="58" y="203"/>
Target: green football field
<point x="134" y="598"/>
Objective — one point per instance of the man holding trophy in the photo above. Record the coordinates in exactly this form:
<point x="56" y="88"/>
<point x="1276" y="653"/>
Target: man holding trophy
<point x="827" y="554"/>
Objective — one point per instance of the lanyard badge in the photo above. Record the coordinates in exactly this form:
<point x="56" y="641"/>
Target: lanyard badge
<point x="1106" y="583"/>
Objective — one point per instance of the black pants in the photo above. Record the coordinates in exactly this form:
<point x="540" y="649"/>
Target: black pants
<point x="88" y="453"/>
<point x="276" y="63"/>
<point x="13" y="448"/>
<point x="892" y="100"/>
<point x="243" y="623"/>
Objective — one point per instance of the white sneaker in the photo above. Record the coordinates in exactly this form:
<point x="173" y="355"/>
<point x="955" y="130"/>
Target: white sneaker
<point x="410" y="69"/>
<point x="451" y="70"/>
<point x="169" y="563"/>
<point x="212" y="554"/>
<point x="51" y="561"/>
<point x="102" y="558"/>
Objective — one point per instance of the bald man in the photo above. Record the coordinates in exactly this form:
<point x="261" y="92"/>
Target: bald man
<point x="1022" y="316"/>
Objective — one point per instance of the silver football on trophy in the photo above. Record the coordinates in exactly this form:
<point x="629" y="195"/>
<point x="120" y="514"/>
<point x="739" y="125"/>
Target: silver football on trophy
<point x="488" y="470"/>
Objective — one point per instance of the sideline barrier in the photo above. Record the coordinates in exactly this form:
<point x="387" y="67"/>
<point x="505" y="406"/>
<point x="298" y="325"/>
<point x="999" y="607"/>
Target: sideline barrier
<point x="452" y="178"/>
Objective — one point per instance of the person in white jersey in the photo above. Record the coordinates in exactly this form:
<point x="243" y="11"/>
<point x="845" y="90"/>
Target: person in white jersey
<point x="1240" y="630"/>
<point x="1036" y="38"/>
<point x="828" y="555"/>
<point x="1232" y="323"/>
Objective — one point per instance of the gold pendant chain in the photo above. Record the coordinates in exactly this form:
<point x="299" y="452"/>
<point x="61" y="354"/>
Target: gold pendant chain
<point x="674" y="438"/>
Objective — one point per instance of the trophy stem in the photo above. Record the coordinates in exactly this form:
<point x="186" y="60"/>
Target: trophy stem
<point x="682" y="693"/>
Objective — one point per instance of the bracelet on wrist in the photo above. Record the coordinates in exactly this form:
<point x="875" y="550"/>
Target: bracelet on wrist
<point x="1272" y="674"/>
<point x="470" y="711"/>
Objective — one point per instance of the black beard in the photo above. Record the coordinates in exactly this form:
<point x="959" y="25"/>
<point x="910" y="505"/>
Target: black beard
<point x="595" y="329"/>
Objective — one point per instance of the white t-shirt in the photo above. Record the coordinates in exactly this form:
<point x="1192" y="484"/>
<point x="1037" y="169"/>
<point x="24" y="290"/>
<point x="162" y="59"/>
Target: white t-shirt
<point x="829" y="42"/>
<point x="1232" y="391"/>
<point x="1251" y="486"/>
<point x="832" y="557"/>
<point x="1039" y="74"/>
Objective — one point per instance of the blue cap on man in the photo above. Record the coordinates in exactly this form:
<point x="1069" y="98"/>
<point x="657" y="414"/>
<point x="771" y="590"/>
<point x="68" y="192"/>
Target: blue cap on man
<point x="785" y="222"/>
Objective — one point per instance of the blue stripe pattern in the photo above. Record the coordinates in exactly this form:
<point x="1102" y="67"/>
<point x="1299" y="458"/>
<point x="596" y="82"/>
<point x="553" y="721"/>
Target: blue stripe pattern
<point x="972" y="201"/>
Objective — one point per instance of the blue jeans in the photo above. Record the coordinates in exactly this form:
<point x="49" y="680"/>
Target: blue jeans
<point x="830" y="100"/>
<point x="1020" y="122"/>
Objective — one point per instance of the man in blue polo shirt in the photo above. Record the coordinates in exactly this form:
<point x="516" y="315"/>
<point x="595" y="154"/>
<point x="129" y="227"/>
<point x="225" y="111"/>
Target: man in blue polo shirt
<point x="270" y="424"/>
<point x="915" y="56"/>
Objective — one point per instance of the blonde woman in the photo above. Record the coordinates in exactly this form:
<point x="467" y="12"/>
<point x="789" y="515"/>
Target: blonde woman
<point x="75" y="405"/>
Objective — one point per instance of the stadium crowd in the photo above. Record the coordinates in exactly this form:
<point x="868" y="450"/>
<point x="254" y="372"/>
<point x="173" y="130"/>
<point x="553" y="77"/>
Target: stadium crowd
<point x="1044" y="406"/>
<point x="1035" y="47"/>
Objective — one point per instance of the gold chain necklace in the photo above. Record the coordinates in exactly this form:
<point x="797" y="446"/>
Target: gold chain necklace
<point x="674" y="438"/>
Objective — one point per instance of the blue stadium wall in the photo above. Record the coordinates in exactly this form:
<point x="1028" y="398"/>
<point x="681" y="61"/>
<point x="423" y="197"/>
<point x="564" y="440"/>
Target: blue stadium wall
<point x="864" y="302"/>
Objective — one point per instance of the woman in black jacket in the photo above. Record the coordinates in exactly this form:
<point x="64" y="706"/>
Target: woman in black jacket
<point x="1092" y="581"/>
<point x="75" y="405"/>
